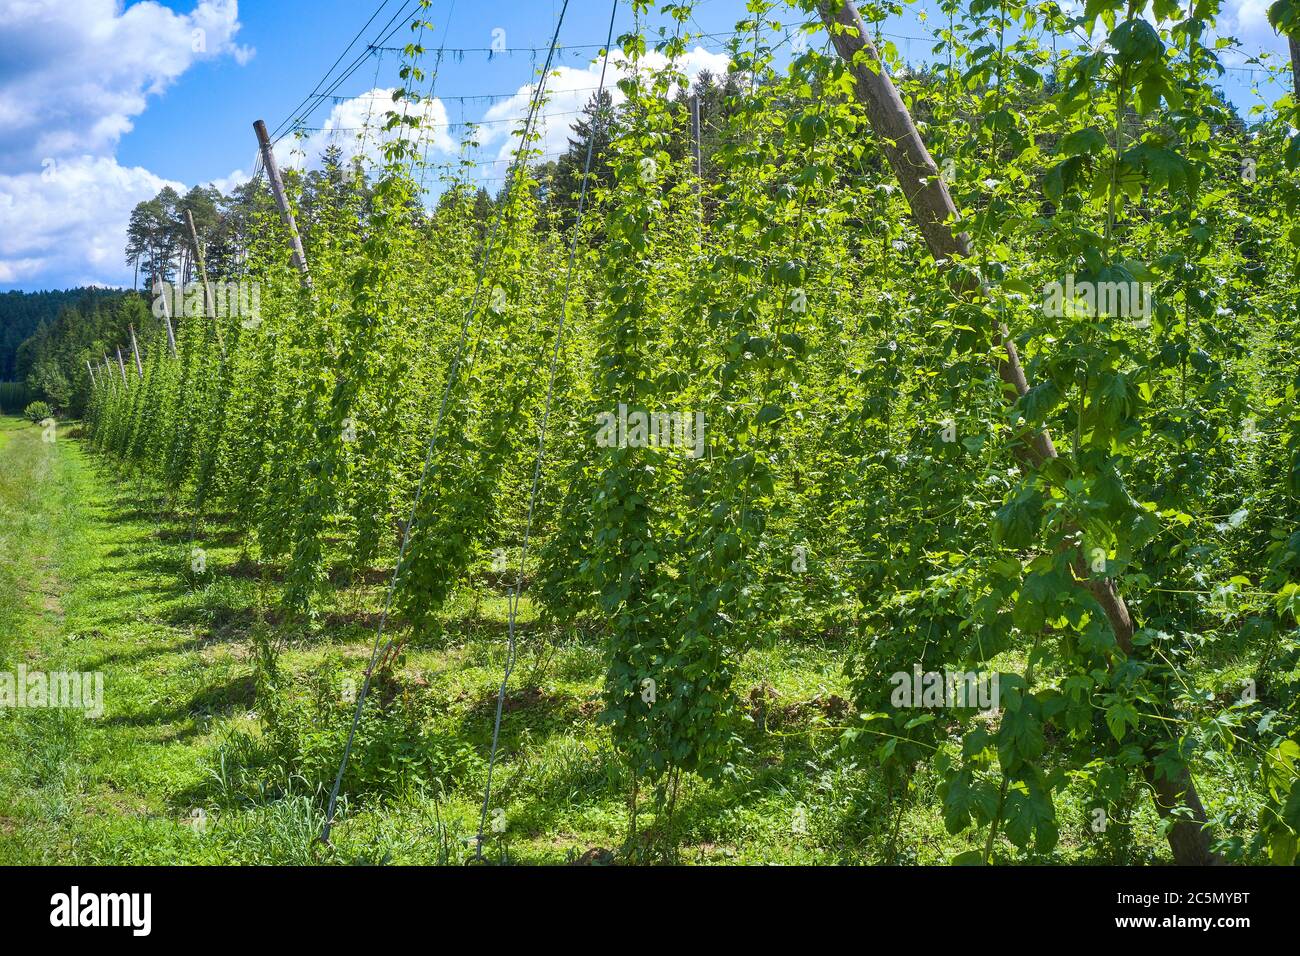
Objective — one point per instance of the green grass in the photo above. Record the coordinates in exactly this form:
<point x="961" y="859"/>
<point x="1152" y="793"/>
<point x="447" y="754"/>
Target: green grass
<point x="196" y="760"/>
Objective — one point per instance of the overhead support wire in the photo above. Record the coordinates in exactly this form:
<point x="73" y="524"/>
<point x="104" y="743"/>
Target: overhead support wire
<point x="299" y="113"/>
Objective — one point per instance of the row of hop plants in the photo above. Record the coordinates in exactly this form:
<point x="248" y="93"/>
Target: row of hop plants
<point x="14" y="397"/>
<point x="858" y="474"/>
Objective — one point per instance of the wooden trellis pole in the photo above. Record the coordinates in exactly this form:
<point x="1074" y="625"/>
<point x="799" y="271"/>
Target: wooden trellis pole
<point x="89" y="369"/>
<point x="203" y="272"/>
<point x="167" y="318"/>
<point x="121" y="364"/>
<point x="210" y="302"/>
<point x="135" y="350"/>
<point x="162" y="291"/>
<point x="282" y="201"/>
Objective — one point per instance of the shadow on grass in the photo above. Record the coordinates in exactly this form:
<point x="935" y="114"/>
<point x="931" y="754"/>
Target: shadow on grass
<point x="236" y="694"/>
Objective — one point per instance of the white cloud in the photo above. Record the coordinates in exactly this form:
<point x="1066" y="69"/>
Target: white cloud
<point x="1247" y="21"/>
<point x="70" y="219"/>
<point x="568" y="91"/>
<point x="356" y="126"/>
<point x="74" y="74"/>
<point x="227" y="184"/>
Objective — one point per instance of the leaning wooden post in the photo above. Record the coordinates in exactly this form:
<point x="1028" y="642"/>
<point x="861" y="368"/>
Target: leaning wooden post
<point x="121" y="364"/>
<point x="91" y="370"/>
<point x="135" y="350"/>
<point x="162" y="292"/>
<point x="934" y="213"/>
<point x="208" y="300"/>
<point x="927" y="194"/>
<point x="281" y="200"/>
<point x="167" y="316"/>
<point x="198" y="258"/>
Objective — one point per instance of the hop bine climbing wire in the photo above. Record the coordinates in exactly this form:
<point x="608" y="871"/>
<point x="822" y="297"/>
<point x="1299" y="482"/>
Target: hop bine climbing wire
<point x="592" y="134"/>
<point x="485" y="260"/>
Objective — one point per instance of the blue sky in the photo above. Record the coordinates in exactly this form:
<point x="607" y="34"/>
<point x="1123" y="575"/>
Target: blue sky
<point x="102" y="102"/>
<point x="295" y="48"/>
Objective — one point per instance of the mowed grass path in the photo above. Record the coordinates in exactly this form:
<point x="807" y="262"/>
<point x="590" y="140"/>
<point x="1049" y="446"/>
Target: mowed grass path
<point x="78" y="592"/>
<point x="185" y="766"/>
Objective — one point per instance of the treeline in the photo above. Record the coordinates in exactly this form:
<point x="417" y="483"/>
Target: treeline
<point x="22" y="313"/>
<point x="14" y="397"/>
<point x="51" y="364"/>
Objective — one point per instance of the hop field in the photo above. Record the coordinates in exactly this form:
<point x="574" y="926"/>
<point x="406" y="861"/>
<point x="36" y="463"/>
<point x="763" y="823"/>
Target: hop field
<point x="835" y="460"/>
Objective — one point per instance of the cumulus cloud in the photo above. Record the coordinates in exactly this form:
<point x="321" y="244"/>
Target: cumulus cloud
<point x="1247" y="21"/>
<point x="568" y="91"/>
<point x="74" y="74"/>
<point x="227" y="184"/>
<point x="356" y="127"/>
<point x="69" y="220"/>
